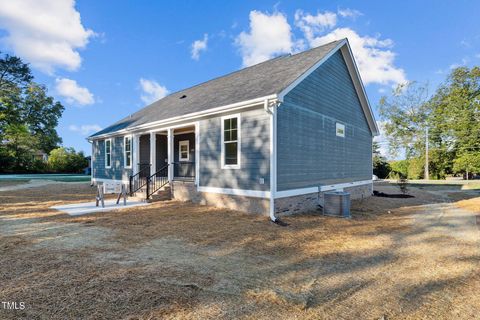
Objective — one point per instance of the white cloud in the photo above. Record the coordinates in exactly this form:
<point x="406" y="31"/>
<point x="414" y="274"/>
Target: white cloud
<point x="311" y="25"/>
<point x="198" y="46"/>
<point x="465" y="43"/>
<point x="85" y="129"/>
<point x="152" y="90"/>
<point x="73" y="93"/>
<point x="349" y="13"/>
<point x="269" y="35"/>
<point x="374" y="56"/>
<point x="458" y="65"/>
<point x="477" y="55"/>
<point x="46" y="33"/>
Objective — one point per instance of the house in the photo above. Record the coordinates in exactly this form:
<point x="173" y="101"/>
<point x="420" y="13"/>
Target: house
<point x="269" y="139"/>
<point x="40" y="155"/>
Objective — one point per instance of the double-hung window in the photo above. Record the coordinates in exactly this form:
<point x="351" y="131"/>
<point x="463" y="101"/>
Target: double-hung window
<point x="184" y="150"/>
<point x="108" y="153"/>
<point x="127" y="151"/>
<point x="231" y="142"/>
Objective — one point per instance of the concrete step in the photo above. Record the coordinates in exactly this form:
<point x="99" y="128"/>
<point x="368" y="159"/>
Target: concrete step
<point x="161" y="195"/>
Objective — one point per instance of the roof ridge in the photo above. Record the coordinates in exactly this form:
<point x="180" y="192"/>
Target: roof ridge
<point x="224" y="75"/>
<point x="245" y="68"/>
<point x="288" y="67"/>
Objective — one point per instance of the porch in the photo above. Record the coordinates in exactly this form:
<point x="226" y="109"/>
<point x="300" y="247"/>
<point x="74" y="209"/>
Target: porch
<point x="163" y="156"/>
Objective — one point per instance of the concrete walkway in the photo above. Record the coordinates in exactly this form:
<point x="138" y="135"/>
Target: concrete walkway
<point x="78" y="209"/>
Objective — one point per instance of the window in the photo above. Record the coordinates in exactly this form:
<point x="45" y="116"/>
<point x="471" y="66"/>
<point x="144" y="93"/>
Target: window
<point x="340" y="130"/>
<point x="231" y="142"/>
<point x="127" y="152"/>
<point x="108" y="153"/>
<point x="184" y="150"/>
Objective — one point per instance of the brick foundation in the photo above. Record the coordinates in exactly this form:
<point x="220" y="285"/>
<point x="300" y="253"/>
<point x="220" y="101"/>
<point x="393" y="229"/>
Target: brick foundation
<point x="187" y="191"/>
<point x="309" y="202"/>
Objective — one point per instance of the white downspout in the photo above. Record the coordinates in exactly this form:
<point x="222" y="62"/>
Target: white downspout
<point x="271" y="109"/>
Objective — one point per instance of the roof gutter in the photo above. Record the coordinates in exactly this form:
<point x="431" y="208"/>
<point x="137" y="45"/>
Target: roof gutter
<point x="190" y="116"/>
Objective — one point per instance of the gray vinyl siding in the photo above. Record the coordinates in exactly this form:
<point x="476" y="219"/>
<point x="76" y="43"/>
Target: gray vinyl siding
<point x="255" y="153"/>
<point x="117" y="170"/>
<point x="309" y="152"/>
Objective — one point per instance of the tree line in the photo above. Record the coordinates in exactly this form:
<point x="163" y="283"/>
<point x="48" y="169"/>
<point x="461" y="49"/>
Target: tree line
<point x="448" y="121"/>
<point x="28" y="121"/>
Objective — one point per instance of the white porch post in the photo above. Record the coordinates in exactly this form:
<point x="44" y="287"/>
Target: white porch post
<point x="197" y="153"/>
<point x="272" y="109"/>
<point x="170" y="154"/>
<point x="136" y="153"/>
<point x="153" y="155"/>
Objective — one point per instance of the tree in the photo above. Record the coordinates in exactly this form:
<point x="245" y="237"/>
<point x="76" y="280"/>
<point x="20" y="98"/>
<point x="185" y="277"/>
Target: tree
<point x="41" y="113"/>
<point x="467" y="163"/>
<point x="456" y="117"/>
<point x="405" y="114"/>
<point x="25" y="111"/>
<point x="67" y="160"/>
<point x="19" y="147"/>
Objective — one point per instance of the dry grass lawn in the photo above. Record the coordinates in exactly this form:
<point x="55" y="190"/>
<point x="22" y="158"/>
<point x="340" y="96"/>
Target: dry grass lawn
<point x="396" y="258"/>
<point x="9" y="183"/>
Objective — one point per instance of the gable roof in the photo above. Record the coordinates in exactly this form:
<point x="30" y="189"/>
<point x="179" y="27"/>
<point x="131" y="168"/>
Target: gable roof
<point x="265" y="79"/>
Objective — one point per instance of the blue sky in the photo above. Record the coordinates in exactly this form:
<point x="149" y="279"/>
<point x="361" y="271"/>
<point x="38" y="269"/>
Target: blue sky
<point x="106" y="59"/>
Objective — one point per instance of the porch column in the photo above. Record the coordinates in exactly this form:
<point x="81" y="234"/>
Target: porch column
<point x="170" y="154"/>
<point x="197" y="153"/>
<point x="153" y="155"/>
<point x="136" y="153"/>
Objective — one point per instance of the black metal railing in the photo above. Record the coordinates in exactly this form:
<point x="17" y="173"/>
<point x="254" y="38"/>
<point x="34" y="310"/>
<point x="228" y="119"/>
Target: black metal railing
<point x="156" y="181"/>
<point x="139" y="179"/>
<point x="184" y="170"/>
<point x="144" y="168"/>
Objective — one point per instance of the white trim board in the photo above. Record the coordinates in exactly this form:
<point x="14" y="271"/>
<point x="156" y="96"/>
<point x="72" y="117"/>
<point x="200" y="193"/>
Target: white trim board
<point x="346" y="52"/>
<point x="128" y="136"/>
<point x="109" y="154"/>
<point x="290" y="87"/>
<point x="359" y="87"/>
<point x="190" y="116"/>
<point x="239" y="141"/>
<point x="236" y="192"/>
<point x="298" y="192"/>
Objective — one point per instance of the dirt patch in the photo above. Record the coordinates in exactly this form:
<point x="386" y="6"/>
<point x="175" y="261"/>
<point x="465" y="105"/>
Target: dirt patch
<point x="396" y="258"/>
<point x="470" y="204"/>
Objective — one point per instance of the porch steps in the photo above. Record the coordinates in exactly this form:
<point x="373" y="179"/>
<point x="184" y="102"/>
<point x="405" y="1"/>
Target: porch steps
<point x="163" y="194"/>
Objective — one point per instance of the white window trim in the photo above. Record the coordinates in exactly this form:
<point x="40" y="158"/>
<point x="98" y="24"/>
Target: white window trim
<point x="105" y="147"/>
<point x="186" y="143"/>
<point x="239" y="142"/>
<point x="125" y="152"/>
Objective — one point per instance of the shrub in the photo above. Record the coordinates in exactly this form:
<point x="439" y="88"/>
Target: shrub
<point x="399" y="169"/>
<point x="416" y="168"/>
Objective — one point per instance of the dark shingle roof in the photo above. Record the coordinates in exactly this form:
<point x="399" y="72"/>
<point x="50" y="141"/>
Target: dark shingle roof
<point x="263" y="79"/>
